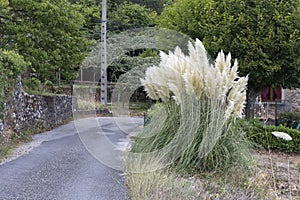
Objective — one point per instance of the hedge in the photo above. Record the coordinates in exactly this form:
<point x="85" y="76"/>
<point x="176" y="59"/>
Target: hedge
<point x="261" y="135"/>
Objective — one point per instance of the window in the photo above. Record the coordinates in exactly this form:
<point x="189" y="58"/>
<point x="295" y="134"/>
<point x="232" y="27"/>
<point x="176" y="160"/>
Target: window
<point x="271" y="94"/>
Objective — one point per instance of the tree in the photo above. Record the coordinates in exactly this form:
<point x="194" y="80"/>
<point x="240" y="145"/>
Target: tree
<point x="11" y="65"/>
<point x="125" y="63"/>
<point x="264" y="35"/>
<point x="130" y="49"/>
<point x="48" y="34"/>
<point x="129" y="16"/>
<point x="91" y="10"/>
<point x="155" y="5"/>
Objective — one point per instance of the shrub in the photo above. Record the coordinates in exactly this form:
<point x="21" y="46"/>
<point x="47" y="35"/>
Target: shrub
<point x="32" y="84"/>
<point x="11" y="65"/>
<point x="262" y="136"/>
<point x="289" y="119"/>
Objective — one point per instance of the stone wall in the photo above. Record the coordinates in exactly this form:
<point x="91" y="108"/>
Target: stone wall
<point x="293" y="97"/>
<point x="33" y="112"/>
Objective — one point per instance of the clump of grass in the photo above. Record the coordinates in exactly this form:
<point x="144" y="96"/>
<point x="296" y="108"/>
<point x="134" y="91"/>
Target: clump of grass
<point x="185" y="142"/>
<point x="147" y="180"/>
<point x="160" y="185"/>
<point x="89" y="105"/>
<point x="4" y="151"/>
<point x="8" y="143"/>
<point x="192" y="129"/>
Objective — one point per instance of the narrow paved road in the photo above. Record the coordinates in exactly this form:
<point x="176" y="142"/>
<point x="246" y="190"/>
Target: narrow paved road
<point x="59" y="166"/>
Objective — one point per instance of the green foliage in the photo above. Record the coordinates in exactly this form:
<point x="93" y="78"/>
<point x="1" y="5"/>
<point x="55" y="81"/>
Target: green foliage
<point x="123" y="64"/>
<point x="262" y="135"/>
<point x="48" y="34"/>
<point x="11" y="65"/>
<point x="262" y="34"/>
<point x="24" y="136"/>
<point x="32" y="84"/>
<point x="89" y="105"/>
<point x="149" y="53"/>
<point x="3" y="4"/>
<point x="289" y="119"/>
<point x="4" y="151"/>
<point x="122" y="46"/>
<point x="156" y="5"/>
<point x="129" y="16"/>
<point x="166" y="130"/>
<point x="92" y="14"/>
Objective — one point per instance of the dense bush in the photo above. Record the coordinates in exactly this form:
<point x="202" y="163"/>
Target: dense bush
<point x="11" y="65"/>
<point x="289" y="119"/>
<point x="262" y="136"/>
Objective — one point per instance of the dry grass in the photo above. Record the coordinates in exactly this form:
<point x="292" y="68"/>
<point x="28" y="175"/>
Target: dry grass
<point x="147" y="180"/>
<point x="167" y="185"/>
<point x="86" y="104"/>
<point x="276" y="177"/>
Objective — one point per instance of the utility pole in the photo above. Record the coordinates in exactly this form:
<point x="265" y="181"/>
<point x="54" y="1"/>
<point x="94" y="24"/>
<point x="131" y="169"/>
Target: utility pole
<point x="103" y="79"/>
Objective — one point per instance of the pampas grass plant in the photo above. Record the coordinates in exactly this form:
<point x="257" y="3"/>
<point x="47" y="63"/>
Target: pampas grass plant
<point x="192" y="127"/>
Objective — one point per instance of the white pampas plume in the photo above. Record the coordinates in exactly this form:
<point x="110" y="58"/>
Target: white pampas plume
<point x="282" y="135"/>
<point x="150" y="90"/>
<point x="178" y="74"/>
<point x="193" y="83"/>
<point x="198" y="55"/>
<point x="220" y="61"/>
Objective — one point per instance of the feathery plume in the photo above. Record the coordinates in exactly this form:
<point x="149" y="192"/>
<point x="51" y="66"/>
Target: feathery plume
<point x="282" y="135"/>
<point x="178" y="74"/>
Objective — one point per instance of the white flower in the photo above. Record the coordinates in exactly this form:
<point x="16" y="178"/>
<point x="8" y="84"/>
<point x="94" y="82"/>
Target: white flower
<point x="282" y="135"/>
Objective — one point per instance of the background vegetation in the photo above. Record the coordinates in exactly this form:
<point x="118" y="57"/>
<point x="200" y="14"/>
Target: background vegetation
<point x="11" y="65"/>
<point x="262" y="34"/>
<point x="261" y="135"/>
<point x="290" y="119"/>
<point x="54" y="37"/>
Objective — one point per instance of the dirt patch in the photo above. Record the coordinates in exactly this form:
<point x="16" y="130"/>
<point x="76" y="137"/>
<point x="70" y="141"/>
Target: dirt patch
<point x="282" y="170"/>
<point x="276" y="177"/>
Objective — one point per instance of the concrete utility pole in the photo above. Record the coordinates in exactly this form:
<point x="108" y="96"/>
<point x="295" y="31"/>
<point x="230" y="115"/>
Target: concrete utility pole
<point x="103" y="79"/>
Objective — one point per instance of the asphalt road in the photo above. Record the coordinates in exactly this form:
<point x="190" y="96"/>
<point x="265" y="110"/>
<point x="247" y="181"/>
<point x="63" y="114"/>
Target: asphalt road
<point x="64" y="165"/>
